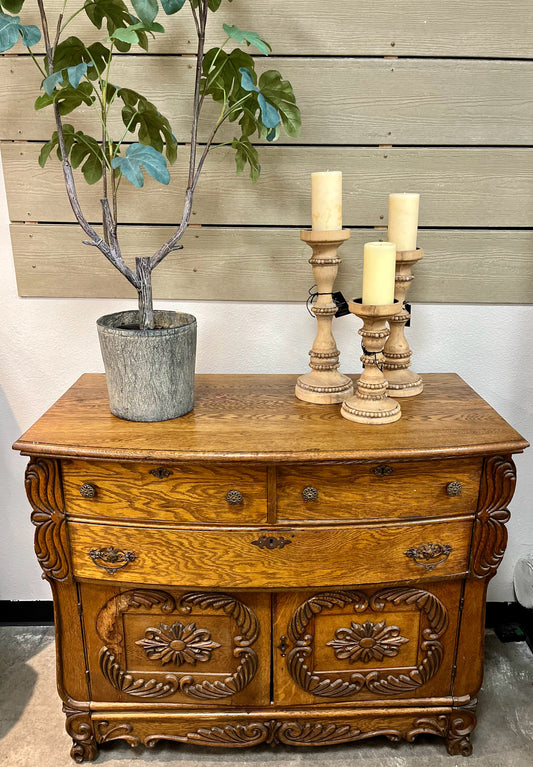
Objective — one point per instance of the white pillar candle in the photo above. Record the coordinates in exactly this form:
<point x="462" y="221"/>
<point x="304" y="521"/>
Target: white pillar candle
<point x="403" y="220"/>
<point x="326" y="201"/>
<point x="379" y="269"/>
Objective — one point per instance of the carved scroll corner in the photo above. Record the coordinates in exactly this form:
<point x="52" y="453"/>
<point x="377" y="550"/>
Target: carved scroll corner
<point x="80" y="727"/>
<point x="45" y="494"/>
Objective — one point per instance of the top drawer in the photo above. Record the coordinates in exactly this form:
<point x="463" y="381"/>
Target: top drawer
<point x="378" y="490"/>
<point x="184" y="493"/>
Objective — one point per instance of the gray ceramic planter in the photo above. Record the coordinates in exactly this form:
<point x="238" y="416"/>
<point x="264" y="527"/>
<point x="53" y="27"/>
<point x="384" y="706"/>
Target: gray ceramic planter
<point x="149" y="373"/>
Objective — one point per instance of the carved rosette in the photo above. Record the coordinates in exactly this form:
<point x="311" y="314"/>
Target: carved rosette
<point x="45" y="494"/>
<point x="381" y="682"/>
<point x="490" y="534"/>
<point x="178" y="644"/>
<point x="80" y="728"/>
<point x="367" y="642"/>
<point x="108" y="627"/>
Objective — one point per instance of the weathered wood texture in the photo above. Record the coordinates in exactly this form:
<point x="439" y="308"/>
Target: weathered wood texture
<point x="459" y="187"/>
<point x="343" y="101"/>
<point x="488" y="28"/>
<point x="52" y="262"/>
<point x="418" y="95"/>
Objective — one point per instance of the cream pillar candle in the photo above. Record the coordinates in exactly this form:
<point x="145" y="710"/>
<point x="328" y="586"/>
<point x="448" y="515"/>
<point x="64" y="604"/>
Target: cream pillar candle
<point x="326" y="201"/>
<point x="379" y="269"/>
<point x="403" y="220"/>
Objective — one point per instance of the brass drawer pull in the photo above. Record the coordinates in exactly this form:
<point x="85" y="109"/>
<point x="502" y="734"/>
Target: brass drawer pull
<point x="382" y="471"/>
<point x="310" y="493"/>
<point x="161" y="473"/>
<point x="234" y="497"/>
<point x="111" y="559"/>
<point x="87" y="490"/>
<point x="271" y="542"/>
<point x="454" y="488"/>
<point x="429" y="555"/>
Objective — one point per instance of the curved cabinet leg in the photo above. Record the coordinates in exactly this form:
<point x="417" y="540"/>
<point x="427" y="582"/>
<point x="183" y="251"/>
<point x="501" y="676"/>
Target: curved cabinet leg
<point x="461" y="723"/>
<point x="80" y="728"/>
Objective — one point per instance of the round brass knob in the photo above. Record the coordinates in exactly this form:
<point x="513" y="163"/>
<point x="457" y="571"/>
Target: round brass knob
<point x="87" y="490"/>
<point x="234" y="497"/>
<point x="454" y="488"/>
<point x="310" y="493"/>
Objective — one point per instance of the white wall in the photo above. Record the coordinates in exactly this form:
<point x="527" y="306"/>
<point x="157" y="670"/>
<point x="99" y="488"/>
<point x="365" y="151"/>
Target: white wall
<point x="45" y="344"/>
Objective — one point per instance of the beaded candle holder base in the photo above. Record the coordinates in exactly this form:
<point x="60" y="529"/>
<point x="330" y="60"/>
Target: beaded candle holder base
<point x="324" y="385"/>
<point x="370" y="403"/>
<point x="402" y="382"/>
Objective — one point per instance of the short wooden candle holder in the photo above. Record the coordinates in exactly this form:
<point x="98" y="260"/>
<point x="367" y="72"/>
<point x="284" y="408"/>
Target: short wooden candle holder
<point x="324" y="385"/>
<point x="402" y="382"/>
<point x="371" y="404"/>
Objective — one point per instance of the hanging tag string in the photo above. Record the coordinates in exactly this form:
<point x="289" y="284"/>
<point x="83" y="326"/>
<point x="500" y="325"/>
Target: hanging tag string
<point x="379" y="365"/>
<point x="311" y="298"/>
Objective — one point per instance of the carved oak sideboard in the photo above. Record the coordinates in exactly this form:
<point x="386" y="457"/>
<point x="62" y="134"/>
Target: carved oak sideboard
<point x="262" y="570"/>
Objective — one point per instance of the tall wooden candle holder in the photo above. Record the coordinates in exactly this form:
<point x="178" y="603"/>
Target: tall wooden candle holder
<point x="371" y="404"/>
<point x="324" y="385"/>
<point x="402" y="382"/>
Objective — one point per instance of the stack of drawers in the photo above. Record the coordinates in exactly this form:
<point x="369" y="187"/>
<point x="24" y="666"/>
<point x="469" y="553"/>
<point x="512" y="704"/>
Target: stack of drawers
<point x="267" y="588"/>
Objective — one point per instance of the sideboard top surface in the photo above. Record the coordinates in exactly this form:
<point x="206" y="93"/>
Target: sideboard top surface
<point x="258" y="418"/>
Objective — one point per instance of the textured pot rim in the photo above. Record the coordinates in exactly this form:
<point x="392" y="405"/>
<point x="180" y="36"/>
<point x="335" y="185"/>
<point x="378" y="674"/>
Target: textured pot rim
<point x="138" y="332"/>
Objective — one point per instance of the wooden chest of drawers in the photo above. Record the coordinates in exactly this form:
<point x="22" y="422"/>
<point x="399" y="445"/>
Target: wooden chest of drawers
<point x="262" y="570"/>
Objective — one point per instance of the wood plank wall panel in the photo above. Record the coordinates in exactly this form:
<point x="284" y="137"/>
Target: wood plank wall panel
<point x="460" y="187"/>
<point x="485" y="28"/>
<point x="361" y="101"/>
<point x="249" y="256"/>
<point x="415" y="95"/>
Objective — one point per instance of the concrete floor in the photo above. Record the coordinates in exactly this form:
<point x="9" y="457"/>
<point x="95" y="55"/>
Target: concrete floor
<point x="32" y="725"/>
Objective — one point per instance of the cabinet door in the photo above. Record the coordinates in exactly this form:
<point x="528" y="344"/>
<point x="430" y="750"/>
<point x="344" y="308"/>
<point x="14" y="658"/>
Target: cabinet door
<point x="365" y="644"/>
<point x="189" y="647"/>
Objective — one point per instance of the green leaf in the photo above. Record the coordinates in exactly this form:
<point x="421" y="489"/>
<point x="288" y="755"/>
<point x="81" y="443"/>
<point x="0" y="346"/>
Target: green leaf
<point x="67" y="98"/>
<point x="12" y="6"/>
<point x="172" y="6"/>
<point x="31" y="34"/>
<point x="126" y="35"/>
<point x="80" y="148"/>
<point x="250" y="38"/>
<point x="269" y="114"/>
<point x="246" y="154"/>
<point x="69" y="53"/>
<point x="213" y="5"/>
<point x="50" y="82"/>
<point x="139" y="156"/>
<point x="247" y="80"/>
<point x="99" y="54"/>
<point x="152" y="127"/>
<point x="146" y="9"/>
<point x="9" y="31"/>
<point x="115" y="13"/>
<point x="225" y="79"/>
<point x="280" y="93"/>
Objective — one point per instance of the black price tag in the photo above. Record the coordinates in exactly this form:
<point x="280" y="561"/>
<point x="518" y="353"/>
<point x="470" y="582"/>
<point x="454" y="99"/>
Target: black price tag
<point x="408" y="308"/>
<point x="341" y="304"/>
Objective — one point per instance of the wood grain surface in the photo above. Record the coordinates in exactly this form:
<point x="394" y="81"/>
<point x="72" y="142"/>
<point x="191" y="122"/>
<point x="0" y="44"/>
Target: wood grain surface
<point x="355" y="491"/>
<point x="412" y="27"/>
<point x="421" y="101"/>
<point x="257" y="418"/>
<point x="456" y="186"/>
<point x="189" y="494"/>
<point x="227" y="558"/>
<point x="271" y="261"/>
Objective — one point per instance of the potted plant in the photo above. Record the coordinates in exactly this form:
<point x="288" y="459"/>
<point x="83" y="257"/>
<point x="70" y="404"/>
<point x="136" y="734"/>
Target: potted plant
<point x="148" y="355"/>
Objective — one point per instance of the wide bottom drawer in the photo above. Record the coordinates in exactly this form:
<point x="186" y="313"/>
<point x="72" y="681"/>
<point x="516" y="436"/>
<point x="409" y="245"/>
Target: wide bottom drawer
<point x="270" y="558"/>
